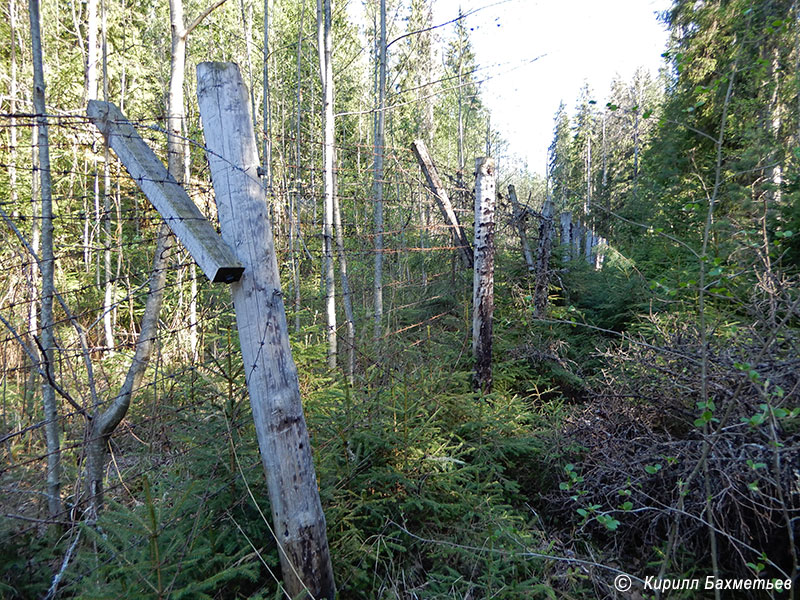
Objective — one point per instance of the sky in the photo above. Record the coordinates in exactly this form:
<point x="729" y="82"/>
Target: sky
<point x="575" y="40"/>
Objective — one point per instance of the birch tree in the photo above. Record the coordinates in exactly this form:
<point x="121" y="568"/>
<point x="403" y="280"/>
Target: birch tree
<point x="324" y="40"/>
<point x="47" y="266"/>
<point x="377" y="182"/>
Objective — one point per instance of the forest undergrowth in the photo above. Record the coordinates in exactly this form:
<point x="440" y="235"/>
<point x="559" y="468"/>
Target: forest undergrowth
<point x="591" y="457"/>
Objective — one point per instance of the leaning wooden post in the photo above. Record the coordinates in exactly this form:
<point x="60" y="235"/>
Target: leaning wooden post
<point x="483" y="278"/>
<point x="543" y="252"/>
<point x="270" y="372"/>
<point x="443" y="201"/>
<point x="519" y="215"/>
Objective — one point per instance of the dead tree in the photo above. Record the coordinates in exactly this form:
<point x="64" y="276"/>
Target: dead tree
<point x="483" y="277"/>
<point x="270" y="372"/>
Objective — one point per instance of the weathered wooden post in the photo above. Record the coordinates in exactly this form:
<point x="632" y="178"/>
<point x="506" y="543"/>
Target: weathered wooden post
<point x="270" y="372"/>
<point x="577" y="239"/>
<point x="543" y="252"/>
<point x="443" y="201"/>
<point x="518" y="214"/>
<point x="167" y="196"/>
<point x="600" y="252"/>
<point x="566" y="234"/>
<point x="483" y="278"/>
<point x="590" y="243"/>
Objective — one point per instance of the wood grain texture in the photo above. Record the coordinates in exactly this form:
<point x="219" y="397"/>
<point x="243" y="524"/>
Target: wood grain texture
<point x="185" y="220"/>
<point x="270" y="372"/>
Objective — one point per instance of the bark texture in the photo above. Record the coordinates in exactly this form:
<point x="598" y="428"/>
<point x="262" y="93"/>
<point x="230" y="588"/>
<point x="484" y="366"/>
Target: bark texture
<point x="47" y="265"/>
<point x="483" y="278"/>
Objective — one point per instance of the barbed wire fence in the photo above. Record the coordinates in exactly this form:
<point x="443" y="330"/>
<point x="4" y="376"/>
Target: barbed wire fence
<point x="195" y="374"/>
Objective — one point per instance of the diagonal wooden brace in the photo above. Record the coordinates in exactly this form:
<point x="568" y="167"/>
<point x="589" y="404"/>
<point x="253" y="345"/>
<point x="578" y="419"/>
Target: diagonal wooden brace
<point x="191" y="227"/>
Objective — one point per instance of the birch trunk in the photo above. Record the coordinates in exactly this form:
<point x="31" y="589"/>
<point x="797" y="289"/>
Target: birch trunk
<point x="12" y="105"/>
<point x="295" y="241"/>
<point x="519" y="216"/>
<point x="91" y="50"/>
<point x="108" y="283"/>
<point x="483" y="278"/>
<point x="270" y="372"/>
<point x="347" y="299"/>
<point x="377" y="184"/>
<point x="53" y="475"/>
<point x="266" y="155"/>
<point x="326" y="73"/>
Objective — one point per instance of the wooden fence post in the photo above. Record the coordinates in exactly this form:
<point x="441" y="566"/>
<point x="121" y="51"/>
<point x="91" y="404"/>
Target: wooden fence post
<point x="519" y="215"/>
<point x="566" y="234"/>
<point x="483" y="278"/>
<point x="443" y="201"/>
<point x="270" y="372"/>
<point x="543" y="252"/>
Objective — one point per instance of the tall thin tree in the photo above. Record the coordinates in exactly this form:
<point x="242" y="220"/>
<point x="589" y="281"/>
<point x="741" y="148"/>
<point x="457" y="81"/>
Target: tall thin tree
<point x="47" y="266"/>
<point x="377" y="184"/>
<point x="324" y="39"/>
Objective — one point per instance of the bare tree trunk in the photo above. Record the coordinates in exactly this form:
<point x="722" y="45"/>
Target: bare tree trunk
<point x="588" y="206"/>
<point x="543" y="252"/>
<point x="326" y="72"/>
<point x="483" y="278"/>
<point x="175" y="99"/>
<point x="295" y="241"/>
<point x="377" y="185"/>
<point x="52" y="425"/>
<point x="266" y="156"/>
<point x="108" y="296"/>
<point x="91" y="50"/>
<point x="347" y="299"/>
<point x="270" y="372"/>
<point x="519" y="215"/>
<point x="12" y="105"/>
<point x="566" y="234"/>
<point x="636" y="140"/>
<point x="104" y="423"/>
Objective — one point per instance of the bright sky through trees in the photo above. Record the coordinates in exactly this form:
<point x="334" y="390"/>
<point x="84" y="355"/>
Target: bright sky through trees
<point x="575" y="40"/>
